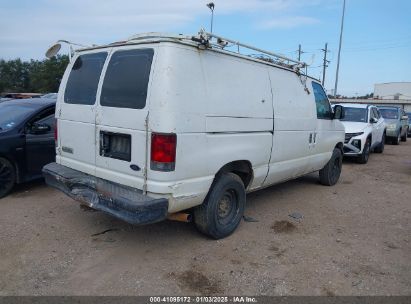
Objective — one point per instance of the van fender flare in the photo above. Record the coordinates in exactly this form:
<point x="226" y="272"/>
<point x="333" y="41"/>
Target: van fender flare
<point x="242" y="168"/>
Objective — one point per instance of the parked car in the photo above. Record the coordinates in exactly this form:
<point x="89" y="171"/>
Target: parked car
<point x="364" y="131"/>
<point x="2" y="99"/>
<point x="21" y="95"/>
<point x="26" y="140"/>
<point x="397" y="123"/>
<point x="50" y="95"/>
<point x="409" y="124"/>
<point x="183" y="126"/>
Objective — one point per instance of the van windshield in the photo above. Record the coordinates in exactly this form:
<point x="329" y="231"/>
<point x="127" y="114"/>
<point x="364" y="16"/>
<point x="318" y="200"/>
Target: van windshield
<point x="355" y="114"/>
<point x="389" y="113"/>
<point x="82" y="83"/>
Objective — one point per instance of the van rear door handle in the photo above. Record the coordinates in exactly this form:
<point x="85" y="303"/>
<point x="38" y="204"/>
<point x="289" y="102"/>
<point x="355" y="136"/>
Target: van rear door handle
<point x="310" y="139"/>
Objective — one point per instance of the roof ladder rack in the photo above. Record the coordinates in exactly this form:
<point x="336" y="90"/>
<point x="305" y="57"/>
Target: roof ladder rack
<point x="206" y="36"/>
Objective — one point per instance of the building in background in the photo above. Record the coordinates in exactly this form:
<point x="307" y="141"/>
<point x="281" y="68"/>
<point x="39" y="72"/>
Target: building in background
<point x="393" y="90"/>
<point x="389" y="94"/>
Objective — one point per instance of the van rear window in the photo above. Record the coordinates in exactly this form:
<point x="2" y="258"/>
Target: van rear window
<point x="126" y="80"/>
<point x="82" y="83"/>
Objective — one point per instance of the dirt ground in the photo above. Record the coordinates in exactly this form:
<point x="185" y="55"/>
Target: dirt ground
<point x="353" y="239"/>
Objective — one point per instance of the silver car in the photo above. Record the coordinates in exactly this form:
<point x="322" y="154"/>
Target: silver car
<point x="397" y="123"/>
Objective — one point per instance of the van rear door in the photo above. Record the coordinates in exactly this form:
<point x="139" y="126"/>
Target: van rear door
<point x="76" y="112"/>
<point x="121" y="116"/>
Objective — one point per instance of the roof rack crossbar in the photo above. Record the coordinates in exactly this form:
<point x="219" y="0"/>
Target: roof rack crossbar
<point x="238" y="44"/>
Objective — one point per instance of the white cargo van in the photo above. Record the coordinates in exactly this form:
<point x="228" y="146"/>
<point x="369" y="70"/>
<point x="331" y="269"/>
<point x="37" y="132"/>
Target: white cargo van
<point x="161" y="125"/>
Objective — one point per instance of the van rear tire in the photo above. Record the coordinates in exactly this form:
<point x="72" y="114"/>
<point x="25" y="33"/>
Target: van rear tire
<point x="223" y="208"/>
<point x="330" y="174"/>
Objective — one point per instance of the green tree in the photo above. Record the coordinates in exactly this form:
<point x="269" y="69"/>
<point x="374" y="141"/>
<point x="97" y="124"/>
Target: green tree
<point x="45" y="76"/>
<point x="34" y="76"/>
<point x="14" y="75"/>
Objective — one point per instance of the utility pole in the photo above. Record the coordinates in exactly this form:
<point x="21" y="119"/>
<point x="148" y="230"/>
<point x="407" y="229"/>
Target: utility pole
<point x="339" y="51"/>
<point x="299" y="52"/>
<point x="325" y="63"/>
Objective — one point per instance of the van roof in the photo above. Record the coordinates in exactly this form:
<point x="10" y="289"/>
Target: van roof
<point x="154" y="37"/>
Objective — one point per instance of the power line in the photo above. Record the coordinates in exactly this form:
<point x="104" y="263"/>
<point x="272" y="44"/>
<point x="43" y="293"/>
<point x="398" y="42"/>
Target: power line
<point x="300" y="52"/>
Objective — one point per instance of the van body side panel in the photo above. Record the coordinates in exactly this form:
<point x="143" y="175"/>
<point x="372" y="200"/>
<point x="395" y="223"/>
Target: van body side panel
<point x="222" y="124"/>
<point x="177" y="105"/>
<point x="239" y="117"/>
<point x="178" y="99"/>
<point x="223" y="116"/>
<point x="294" y="122"/>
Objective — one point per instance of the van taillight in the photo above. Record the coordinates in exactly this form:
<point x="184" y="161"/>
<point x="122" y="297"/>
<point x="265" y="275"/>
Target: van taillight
<point x="163" y="152"/>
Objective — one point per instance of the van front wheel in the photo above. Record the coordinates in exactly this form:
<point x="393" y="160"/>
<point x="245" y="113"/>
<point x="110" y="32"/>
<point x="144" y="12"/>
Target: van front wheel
<point x="223" y="208"/>
<point x="330" y="174"/>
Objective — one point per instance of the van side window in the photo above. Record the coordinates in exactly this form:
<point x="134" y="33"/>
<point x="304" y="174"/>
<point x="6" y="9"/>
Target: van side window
<point x="321" y="101"/>
<point x="126" y="80"/>
<point x="82" y="83"/>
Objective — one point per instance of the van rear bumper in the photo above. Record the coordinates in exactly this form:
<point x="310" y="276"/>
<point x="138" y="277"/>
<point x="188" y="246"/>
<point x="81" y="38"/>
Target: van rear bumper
<point x="125" y="203"/>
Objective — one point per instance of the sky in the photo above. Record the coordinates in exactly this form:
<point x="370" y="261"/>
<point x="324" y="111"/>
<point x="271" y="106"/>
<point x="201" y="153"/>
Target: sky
<point x="376" y="44"/>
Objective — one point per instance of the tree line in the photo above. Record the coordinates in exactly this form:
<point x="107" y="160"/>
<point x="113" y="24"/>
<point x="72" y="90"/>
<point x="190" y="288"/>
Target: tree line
<point x="34" y="76"/>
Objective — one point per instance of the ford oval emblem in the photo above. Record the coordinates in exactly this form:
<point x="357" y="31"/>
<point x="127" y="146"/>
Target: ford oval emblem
<point x="135" y="167"/>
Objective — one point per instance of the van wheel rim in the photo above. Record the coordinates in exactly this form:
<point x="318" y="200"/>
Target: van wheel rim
<point x="227" y="207"/>
<point x="5" y="176"/>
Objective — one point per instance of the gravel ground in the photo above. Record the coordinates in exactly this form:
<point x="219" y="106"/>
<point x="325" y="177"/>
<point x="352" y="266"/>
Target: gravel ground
<point x="353" y="239"/>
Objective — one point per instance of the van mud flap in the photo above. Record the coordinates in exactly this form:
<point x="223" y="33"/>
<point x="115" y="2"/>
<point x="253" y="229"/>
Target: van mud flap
<point x="123" y="202"/>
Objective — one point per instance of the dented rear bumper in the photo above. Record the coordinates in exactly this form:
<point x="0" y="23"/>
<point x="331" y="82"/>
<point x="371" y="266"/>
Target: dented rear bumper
<point x="123" y="202"/>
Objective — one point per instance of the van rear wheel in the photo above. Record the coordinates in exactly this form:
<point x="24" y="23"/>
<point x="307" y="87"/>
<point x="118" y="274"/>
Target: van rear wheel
<point x="223" y="208"/>
<point x="330" y="174"/>
<point x="7" y="177"/>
